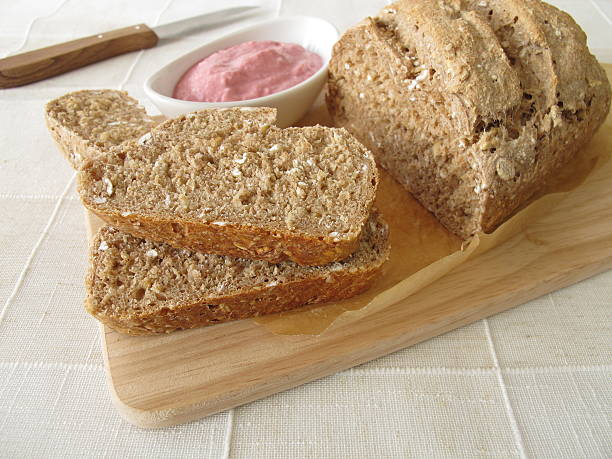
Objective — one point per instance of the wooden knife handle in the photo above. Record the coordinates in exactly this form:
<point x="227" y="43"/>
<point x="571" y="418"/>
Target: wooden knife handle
<point x="47" y="62"/>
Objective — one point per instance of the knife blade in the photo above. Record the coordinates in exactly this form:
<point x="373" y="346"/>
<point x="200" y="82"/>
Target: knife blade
<point x="190" y="25"/>
<point x="42" y="63"/>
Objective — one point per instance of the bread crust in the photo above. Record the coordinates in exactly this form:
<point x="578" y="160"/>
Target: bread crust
<point x="244" y="241"/>
<point x="504" y="94"/>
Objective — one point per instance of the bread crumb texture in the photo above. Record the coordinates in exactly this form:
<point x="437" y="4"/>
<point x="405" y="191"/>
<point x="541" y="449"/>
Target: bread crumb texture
<point x="470" y="104"/>
<point x="230" y="182"/>
<point x="102" y="118"/>
<point x="138" y="286"/>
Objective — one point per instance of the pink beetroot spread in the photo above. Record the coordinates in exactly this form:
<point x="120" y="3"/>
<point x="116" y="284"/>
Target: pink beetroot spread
<point x="246" y="71"/>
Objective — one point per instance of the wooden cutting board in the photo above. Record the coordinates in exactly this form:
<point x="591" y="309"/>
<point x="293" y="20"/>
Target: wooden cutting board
<point x="165" y="380"/>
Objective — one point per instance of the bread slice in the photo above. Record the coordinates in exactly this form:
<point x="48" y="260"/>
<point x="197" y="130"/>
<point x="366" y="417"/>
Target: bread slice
<point x="141" y="287"/>
<point x="471" y="105"/>
<point x="81" y="120"/>
<point x="229" y="182"/>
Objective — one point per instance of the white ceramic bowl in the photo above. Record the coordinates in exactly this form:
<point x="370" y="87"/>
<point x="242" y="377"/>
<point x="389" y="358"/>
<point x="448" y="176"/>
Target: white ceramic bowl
<point x="314" y="34"/>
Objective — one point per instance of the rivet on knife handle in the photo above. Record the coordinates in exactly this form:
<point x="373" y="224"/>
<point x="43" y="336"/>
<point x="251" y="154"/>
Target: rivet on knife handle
<point x="47" y="62"/>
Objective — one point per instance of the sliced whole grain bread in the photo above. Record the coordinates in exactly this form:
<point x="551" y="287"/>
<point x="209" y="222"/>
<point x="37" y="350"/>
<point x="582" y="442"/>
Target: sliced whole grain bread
<point x="81" y="120"/>
<point x="471" y="105"/>
<point x="229" y="182"/>
<point x="140" y="287"/>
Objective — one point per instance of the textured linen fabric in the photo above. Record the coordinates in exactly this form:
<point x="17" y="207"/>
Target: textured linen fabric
<point x="530" y="382"/>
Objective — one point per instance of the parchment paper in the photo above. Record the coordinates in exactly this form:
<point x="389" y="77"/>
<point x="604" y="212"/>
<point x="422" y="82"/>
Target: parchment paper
<point x="422" y="250"/>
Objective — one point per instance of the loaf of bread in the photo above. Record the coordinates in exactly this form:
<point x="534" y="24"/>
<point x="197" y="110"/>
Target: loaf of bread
<point x="86" y="123"/>
<point x="141" y="287"/>
<point x="229" y="182"/>
<point x="470" y="104"/>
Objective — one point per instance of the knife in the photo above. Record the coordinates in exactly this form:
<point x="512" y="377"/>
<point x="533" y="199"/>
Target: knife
<point x="53" y="60"/>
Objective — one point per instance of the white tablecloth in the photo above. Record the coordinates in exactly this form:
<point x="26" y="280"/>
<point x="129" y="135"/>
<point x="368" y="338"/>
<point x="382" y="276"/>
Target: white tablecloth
<point x="532" y="382"/>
